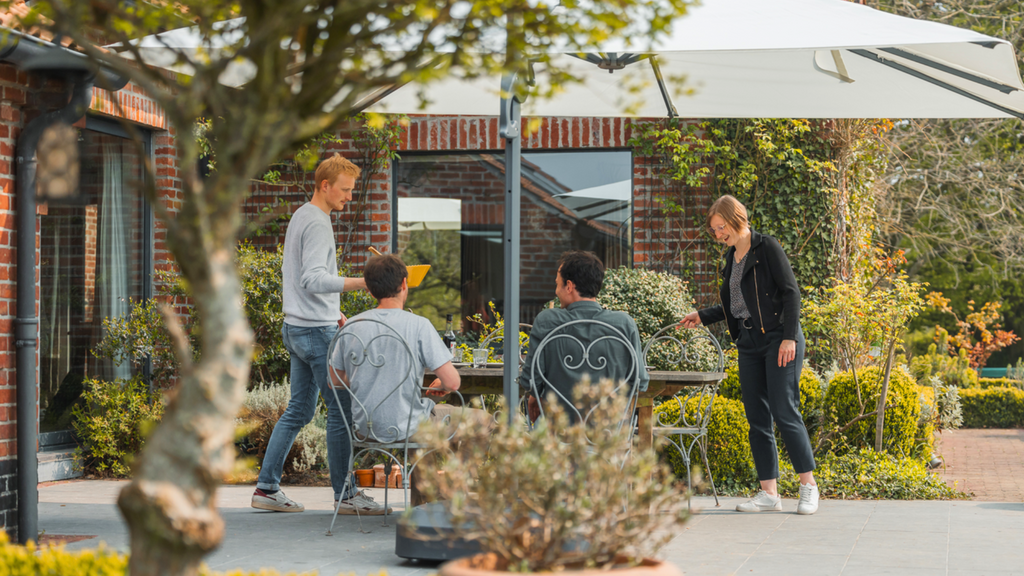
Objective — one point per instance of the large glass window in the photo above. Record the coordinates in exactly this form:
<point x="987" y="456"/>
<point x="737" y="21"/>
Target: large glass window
<point x="450" y="214"/>
<point x="94" y="262"/>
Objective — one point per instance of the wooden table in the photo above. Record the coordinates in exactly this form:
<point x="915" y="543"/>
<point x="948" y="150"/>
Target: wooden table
<point x="663" y="383"/>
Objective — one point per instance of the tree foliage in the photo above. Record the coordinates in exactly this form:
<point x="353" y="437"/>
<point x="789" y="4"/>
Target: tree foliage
<point x="955" y="195"/>
<point x="270" y="75"/>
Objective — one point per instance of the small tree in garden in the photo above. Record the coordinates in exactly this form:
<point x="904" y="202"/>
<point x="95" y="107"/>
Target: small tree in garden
<point x="306" y="65"/>
<point x="980" y="332"/>
<point x="864" y="315"/>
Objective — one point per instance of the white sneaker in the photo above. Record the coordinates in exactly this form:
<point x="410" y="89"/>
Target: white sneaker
<point x="808" y="499"/>
<point x="763" y="501"/>
<point x="277" y="502"/>
<point x="363" y="505"/>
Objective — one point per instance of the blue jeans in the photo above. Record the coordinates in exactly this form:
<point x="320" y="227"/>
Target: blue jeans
<point x="309" y="378"/>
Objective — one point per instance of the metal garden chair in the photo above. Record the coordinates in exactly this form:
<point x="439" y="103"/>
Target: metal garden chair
<point x="591" y="356"/>
<point x="690" y="428"/>
<point x="362" y="341"/>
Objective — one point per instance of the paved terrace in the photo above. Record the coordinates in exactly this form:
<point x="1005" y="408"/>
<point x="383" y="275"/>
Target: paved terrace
<point x="845" y="538"/>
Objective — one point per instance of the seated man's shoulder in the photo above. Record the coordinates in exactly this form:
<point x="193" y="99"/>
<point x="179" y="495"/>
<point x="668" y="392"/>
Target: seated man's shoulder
<point x="551" y="317"/>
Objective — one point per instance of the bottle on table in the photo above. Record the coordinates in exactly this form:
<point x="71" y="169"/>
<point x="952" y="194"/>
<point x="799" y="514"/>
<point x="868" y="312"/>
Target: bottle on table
<point x="449" y="337"/>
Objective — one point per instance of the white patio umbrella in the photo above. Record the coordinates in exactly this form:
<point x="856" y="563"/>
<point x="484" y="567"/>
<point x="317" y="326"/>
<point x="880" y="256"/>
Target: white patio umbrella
<point x="768" y="58"/>
<point x="745" y="59"/>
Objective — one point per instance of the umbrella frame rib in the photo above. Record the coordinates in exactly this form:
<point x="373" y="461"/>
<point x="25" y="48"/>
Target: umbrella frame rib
<point x="945" y="85"/>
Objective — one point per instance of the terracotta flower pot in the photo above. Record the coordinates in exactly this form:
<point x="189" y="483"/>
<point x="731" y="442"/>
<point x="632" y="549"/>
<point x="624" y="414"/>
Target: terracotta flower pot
<point x="365" y="478"/>
<point x="490" y="565"/>
<point x="394" y="481"/>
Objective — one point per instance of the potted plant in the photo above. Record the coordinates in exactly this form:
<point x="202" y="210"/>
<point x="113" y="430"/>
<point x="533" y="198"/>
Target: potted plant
<point x="558" y="497"/>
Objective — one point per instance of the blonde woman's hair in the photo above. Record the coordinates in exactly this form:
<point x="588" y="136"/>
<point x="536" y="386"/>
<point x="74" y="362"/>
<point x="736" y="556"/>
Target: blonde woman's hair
<point x="731" y="210"/>
<point x="331" y="168"/>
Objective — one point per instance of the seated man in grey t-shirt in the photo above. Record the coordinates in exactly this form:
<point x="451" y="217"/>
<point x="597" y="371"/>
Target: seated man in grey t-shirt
<point x="379" y="411"/>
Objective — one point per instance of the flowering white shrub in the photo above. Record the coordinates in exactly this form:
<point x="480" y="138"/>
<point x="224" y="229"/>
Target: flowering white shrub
<point x="655" y="300"/>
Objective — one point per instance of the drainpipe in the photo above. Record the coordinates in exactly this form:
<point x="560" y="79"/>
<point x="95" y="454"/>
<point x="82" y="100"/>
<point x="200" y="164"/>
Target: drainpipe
<point x="27" y="322"/>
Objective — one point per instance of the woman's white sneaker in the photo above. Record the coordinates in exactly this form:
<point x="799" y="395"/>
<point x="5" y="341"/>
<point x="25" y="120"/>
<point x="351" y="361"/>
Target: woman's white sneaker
<point x="808" y="499"/>
<point x="761" y="503"/>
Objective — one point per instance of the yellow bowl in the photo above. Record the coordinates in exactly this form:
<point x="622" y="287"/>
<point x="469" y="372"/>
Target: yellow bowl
<point x="417" y="273"/>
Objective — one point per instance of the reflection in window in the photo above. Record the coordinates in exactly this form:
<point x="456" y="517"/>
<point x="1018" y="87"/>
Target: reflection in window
<point x="450" y="214"/>
<point x="92" y="256"/>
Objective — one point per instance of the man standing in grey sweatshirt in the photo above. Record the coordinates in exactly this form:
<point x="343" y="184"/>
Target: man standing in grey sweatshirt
<point x="312" y="311"/>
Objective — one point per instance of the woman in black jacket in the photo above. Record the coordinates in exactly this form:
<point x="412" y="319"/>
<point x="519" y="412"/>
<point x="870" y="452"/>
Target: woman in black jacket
<point x="761" y="303"/>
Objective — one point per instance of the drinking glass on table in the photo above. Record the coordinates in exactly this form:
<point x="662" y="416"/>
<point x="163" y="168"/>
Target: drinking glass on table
<point x="480" y="357"/>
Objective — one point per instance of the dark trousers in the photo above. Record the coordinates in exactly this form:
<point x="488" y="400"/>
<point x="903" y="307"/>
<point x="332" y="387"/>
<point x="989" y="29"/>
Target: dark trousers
<point x="772" y="393"/>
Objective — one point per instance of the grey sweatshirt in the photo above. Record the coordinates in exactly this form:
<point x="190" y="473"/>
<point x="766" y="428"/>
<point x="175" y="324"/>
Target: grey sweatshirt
<point x="312" y="287"/>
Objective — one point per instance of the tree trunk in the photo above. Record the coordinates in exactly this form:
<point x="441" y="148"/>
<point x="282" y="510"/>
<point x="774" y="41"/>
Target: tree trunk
<point x="880" y="421"/>
<point x="170" y="504"/>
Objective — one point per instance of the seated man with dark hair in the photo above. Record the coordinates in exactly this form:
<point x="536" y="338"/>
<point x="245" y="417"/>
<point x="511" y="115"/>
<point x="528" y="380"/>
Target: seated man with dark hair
<point x="387" y="279"/>
<point x="387" y="399"/>
<point x="577" y="284"/>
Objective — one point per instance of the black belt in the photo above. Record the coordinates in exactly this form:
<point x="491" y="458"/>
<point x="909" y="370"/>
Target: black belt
<point x="745" y="322"/>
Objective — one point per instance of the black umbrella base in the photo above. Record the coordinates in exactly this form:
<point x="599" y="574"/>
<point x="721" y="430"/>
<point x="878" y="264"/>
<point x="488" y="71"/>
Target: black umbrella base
<point x="426" y="534"/>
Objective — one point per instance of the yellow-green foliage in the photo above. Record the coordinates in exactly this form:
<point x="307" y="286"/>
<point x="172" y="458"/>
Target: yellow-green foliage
<point x="865" y="473"/>
<point x="926" y="422"/>
<point x="728" y="442"/>
<point x="812" y="395"/>
<point x="26" y="561"/>
<point x="55" y="561"/>
<point x="984" y="383"/>
<point x="955" y="370"/>
<point x="901" y="416"/>
<point x="730" y="387"/>
<point x="113" y="422"/>
<point x="993" y="408"/>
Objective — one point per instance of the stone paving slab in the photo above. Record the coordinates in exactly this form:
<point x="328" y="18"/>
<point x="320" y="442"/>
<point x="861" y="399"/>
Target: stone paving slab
<point x="846" y="537"/>
<point x="989" y="463"/>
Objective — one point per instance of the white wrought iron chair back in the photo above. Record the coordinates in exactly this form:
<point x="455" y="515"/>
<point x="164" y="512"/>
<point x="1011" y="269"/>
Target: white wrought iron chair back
<point x="593" y="355"/>
<point x="359" y="349"/>
<point x="688" y="429"/>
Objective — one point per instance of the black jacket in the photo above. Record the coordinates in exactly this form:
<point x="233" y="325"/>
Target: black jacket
<point x="769" y="289"/>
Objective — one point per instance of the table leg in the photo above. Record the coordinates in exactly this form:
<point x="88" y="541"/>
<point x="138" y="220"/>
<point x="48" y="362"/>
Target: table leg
<point x="645" y="424"/>
<point x="415" y="496"/>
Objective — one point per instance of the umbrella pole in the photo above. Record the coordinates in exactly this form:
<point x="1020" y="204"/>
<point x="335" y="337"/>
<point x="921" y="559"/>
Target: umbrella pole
<point x="510" y="129"/>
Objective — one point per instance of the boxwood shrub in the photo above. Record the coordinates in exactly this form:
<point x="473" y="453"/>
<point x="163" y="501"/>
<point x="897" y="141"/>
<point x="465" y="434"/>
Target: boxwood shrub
<point x="865" y="473"/>
<point x="728" y="444"/>
<point x="993" y="408"/>
<point x="901" y="418"/>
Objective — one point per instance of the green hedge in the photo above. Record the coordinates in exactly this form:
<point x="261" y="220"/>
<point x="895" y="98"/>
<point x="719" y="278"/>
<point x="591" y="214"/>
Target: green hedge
<point x="901" y="417"/>
<point x="728" y="443"/>
<point x="993" y="408"/>
<point x="984" y="383"/>
<point x="865" y="473"/>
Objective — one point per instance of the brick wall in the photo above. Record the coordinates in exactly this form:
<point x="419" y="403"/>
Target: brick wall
<point x="23" y="97"/>
<point x="662" y="239"/>
<point x="12" y="99"/>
